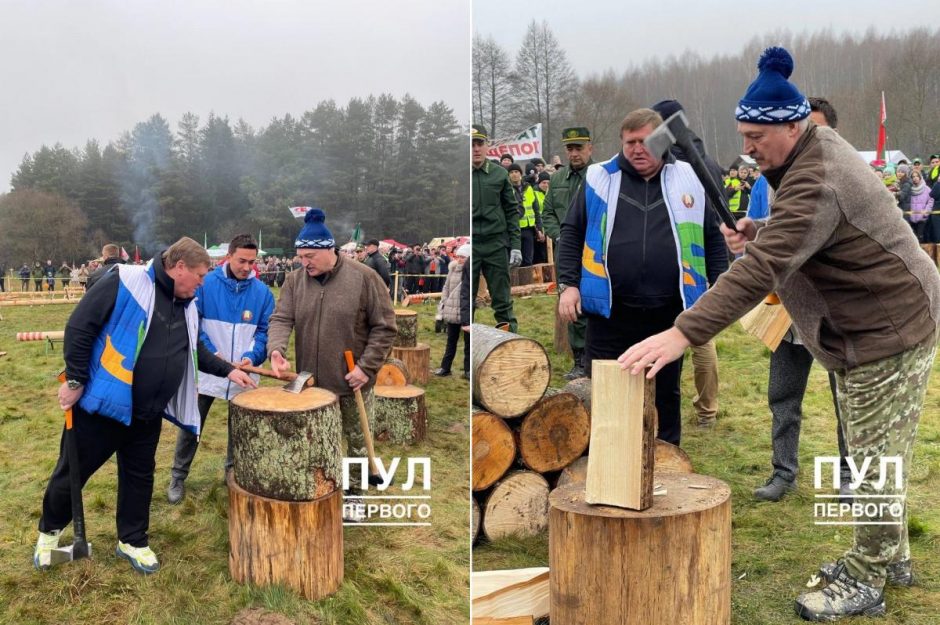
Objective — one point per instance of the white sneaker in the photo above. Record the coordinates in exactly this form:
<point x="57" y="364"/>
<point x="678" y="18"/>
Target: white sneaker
<point x="353" y="508"/>
<point x="143" y="559"/>
<point x="42" y="556"/>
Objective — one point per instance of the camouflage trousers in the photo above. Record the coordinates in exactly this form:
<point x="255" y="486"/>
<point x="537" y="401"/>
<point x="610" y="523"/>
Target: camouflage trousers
<point x="352" y="430"/>
<point x="881" y="404"/>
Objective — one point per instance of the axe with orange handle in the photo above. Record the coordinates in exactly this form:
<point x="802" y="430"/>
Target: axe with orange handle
<point x="374" y="478"/>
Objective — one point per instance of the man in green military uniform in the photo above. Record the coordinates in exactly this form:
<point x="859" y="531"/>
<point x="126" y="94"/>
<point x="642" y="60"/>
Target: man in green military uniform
<point x="495" y="228"/>
<point x="564" y="186"/>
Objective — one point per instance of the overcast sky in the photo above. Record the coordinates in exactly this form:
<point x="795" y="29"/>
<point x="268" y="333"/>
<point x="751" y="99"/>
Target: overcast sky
<point x="71" y="70"/>
<point x="602" y="34"/>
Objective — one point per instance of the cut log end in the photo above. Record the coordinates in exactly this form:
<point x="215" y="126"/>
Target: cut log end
<point x="273" y="399"/>
<point x="517" y="506"/>
<point x="494" y="449"/>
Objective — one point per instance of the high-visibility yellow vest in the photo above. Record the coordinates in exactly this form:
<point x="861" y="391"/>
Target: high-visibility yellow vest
<point x="528" y="218"/>
<point x="934" y="173"/>
<point x="540" y="196"/>
<point x="735" y="202"/>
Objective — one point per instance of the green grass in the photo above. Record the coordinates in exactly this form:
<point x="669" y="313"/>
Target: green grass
<point x="392" y="575"/>
<point x="775" y="546"/>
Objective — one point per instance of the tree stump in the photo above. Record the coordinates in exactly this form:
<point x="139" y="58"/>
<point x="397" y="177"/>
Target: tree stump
<point x="407" y="322"/>
<point x="295" y="543"/>
<point x="510" y="372"/>
<point x="400" y="414"/>
<point x="417" y="360"/>
<point x="665" y="565"/>
<point x="554" y="433"/>
<point x="393" y="373"/>
<point x="285" y="445"/>
<point x="518" y="506"/>
<point x="494" y="449"/>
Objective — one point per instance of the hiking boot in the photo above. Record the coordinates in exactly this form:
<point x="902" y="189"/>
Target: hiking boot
<point x="143" y="559"/>
<point x="843" y="596"/>
<point x="42" y="555"/>
<point x="577" y="369"/>
<point x="353" y="505"/>
<point x="899" y="573"/>
<point x="176" y="491"/>
<point x="774" y="489"/>
<point x="441" y="373"/>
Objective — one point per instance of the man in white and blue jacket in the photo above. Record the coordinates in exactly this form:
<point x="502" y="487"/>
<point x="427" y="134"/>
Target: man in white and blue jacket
<point x="234" y="308"/>
<point x="638" y="247"/>
<point x="131" y="353"/>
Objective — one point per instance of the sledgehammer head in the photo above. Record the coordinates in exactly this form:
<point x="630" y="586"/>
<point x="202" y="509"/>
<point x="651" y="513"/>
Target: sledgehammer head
<point x="75" y="551"/>
<point x="665" y="136"/>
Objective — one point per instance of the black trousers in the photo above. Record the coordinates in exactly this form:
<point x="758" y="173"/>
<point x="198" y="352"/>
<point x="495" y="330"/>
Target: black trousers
<point x="527" y="236"/>
<point x="454" y="330"/>
<point x="99" y="438"/>
<point x="607" y="339"/>
<point x="187" y="443"/>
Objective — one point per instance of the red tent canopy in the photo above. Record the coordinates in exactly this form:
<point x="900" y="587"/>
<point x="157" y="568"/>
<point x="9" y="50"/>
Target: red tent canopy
<point x="394" y="243"/>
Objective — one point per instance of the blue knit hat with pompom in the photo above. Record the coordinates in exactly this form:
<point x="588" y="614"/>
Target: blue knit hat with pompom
<point x="315" y="234"/>
<point x="771" y="98"/>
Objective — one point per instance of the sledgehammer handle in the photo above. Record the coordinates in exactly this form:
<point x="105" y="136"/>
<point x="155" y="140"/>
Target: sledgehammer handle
<point x="363" y="416"/>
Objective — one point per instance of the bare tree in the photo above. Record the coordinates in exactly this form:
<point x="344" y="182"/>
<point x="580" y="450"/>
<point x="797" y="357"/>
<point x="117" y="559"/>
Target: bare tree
<point x="545" y="82"/>
<point x="492" y="83"/>
<point x="38" y="225"/>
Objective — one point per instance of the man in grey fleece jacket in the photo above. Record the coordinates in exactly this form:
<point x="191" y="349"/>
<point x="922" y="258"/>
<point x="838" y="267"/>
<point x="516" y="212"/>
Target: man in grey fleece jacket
<point x="862" y="294"/>
<point x="334" y="304"/>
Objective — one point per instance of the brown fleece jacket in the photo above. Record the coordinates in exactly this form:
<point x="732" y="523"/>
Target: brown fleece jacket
<point x="350" y="310"/>
<point x="837" y="251"/>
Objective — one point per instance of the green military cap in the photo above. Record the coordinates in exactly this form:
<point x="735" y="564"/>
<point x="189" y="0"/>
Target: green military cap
<point x="578" y="134"/>
<point x="933" y="156"/>
<point x="479" y="132"/>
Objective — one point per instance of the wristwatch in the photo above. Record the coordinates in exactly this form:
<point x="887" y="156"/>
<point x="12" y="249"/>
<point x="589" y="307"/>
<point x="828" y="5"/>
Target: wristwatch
<point x="562" y="287"/>
<point x="73" y="384"/>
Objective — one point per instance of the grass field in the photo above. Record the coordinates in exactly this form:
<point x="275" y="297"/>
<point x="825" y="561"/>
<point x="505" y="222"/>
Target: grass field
<point x="776" y="546"/>
<point x="392" y="575"/>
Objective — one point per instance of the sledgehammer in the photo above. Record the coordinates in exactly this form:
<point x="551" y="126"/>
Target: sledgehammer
<point x="80" y="548"/>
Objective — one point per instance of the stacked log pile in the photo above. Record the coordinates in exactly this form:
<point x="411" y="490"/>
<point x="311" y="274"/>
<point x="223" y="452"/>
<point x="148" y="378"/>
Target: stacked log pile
<point x="528" y="438"/>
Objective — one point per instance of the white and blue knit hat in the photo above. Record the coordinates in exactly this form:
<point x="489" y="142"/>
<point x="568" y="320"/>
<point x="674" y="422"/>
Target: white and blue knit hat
<point x="771" y="98"/>
<point x="315" y="234"/>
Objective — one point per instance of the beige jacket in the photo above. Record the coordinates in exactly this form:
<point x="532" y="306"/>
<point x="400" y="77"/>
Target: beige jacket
<point x="350" y="310"/>
<point x="846" y="265"/>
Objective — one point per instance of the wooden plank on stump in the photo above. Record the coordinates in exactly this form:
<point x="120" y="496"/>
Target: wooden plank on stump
<point x="417" y="359"/>
<point x="510" y="372"/>
<point x="286" y="445"/>
<point x="295" y="543"/>
<point x="494" y="449"/>
<point x="623" y="420"/>
<point x="393" y="373"/>
<point x="510" y="593"/>
<point x="610" y="566"/>
<point x="518" y="505"/>
<point x="400" y="414"/>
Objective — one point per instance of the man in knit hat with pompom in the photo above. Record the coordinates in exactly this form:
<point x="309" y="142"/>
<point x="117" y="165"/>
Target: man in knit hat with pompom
<point x="334" y="304"/>
<point x="865" y="299"/>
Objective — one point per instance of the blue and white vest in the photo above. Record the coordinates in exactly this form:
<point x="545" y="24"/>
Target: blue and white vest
<point x="685" y="200"/>
<point x="114" y="354"/>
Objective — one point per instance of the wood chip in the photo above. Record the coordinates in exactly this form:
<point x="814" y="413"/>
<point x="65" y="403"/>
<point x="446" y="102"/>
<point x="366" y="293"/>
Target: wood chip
<point x="656" y="493"/>
<point x="700" y="486"/>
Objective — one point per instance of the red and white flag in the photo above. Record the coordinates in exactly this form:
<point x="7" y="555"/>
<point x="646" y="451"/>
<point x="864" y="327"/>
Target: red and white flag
<point x="124" y="254"/>
<point x="882" y="134"/>
<point x="299" y="211"/>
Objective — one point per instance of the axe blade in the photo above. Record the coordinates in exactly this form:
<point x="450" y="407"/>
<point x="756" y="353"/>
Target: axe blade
<point x="70" y="553"/>
<point x="297" y="384"/>
<point x="660" y="140"/>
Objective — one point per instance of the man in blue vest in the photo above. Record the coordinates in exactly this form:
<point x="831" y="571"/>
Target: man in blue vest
<point x="234" y="307"/>
<point x="638" y="246"/>
<point x="130" y="361"/>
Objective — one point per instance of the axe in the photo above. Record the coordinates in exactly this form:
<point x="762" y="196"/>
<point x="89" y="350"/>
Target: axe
<point x="675" y="131"/>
